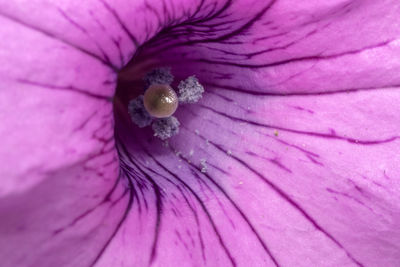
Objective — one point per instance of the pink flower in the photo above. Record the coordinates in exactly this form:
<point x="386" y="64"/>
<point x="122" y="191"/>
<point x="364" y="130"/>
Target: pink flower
<point x="291" y="158"/>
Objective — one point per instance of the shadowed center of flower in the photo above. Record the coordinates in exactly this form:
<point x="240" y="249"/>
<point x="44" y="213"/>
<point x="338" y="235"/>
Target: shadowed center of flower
<point x="160" y="101"/>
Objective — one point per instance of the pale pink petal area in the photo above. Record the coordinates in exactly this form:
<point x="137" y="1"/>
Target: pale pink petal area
<point x="290" y="159"/>
<point x="59" y="167"/>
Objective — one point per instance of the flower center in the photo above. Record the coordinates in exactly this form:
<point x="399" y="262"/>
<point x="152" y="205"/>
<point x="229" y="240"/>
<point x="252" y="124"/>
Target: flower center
<point x="160" y="100"/>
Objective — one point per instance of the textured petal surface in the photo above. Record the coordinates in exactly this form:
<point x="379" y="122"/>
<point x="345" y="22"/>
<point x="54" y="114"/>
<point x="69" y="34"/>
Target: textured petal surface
<point x="290" y="159"/>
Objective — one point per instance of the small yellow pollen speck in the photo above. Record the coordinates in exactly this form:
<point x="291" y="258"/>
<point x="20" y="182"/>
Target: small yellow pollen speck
<point x="276" y="133"/>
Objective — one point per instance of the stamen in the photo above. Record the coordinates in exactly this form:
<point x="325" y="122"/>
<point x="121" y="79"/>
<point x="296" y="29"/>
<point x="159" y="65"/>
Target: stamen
<point x="190" y="90"/>
<point x="159" y="76"/>
<point x="138" y="112"/>
<point x="166" y="128"/>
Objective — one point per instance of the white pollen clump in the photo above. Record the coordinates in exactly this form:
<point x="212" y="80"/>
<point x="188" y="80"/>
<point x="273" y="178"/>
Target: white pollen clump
<point x="190" y="90"/>
<point x="138" y="112"/>
<point x="159" y="76"/>
<point x="203" y="165"/>
<point x="166" y="127"/>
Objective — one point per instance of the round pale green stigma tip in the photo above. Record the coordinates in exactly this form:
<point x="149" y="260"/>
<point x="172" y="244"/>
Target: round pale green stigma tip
<point x="160" y="100"/>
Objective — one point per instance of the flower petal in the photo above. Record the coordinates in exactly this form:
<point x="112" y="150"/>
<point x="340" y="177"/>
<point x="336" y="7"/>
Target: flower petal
<point x="276" y="165"/>
<point x="59" y="165"/>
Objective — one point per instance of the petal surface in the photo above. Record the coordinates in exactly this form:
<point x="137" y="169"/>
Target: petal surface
<point x="290" y="159"/>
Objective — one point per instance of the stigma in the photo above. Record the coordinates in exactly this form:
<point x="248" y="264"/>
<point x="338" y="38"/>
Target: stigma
<point x="160" y="100"/>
